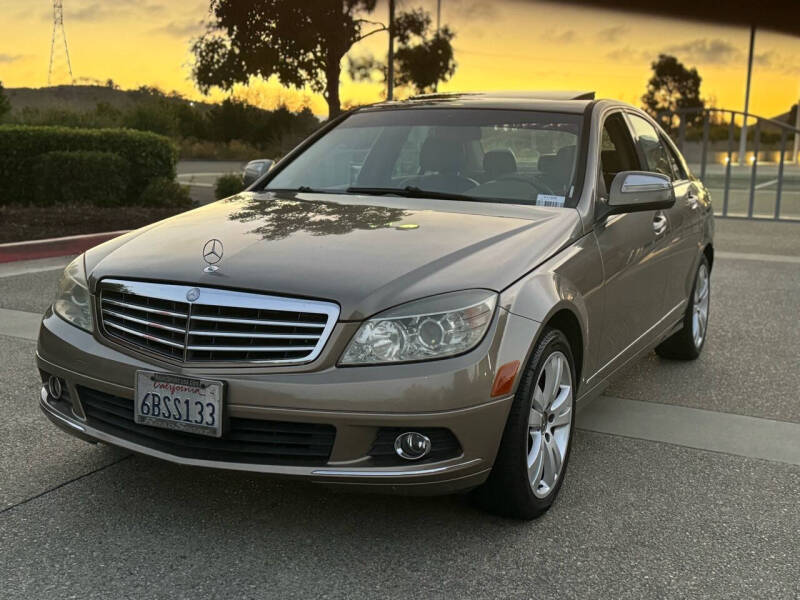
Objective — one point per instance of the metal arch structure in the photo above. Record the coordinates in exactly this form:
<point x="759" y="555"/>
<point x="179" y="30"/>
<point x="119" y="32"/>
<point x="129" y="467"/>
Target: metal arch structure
<point x="58" y="30"/>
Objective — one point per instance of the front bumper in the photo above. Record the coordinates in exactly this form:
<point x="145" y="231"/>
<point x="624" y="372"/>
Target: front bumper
<point x="451" y="394"/>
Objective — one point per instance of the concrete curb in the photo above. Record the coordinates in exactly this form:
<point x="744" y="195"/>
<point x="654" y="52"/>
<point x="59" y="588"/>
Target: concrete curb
<point x="63" y="246"/>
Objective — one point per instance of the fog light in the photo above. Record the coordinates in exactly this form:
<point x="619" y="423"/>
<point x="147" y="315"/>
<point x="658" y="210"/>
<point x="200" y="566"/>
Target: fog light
<point x="54" y="387"/>
<point x="412" y="445"/>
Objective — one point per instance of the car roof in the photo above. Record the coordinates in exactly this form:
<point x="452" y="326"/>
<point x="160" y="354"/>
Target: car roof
<point x="546" y="100"/>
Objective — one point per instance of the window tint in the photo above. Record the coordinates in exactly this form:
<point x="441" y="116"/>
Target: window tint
<point x="617" y="152"/>
<point x="658" y="161"/>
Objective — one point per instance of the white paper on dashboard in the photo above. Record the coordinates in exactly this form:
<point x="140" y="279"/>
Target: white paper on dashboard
<point x="550" y="200"/>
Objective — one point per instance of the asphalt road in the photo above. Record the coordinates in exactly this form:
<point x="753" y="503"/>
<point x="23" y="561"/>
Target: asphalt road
<point x="683" y="483"/>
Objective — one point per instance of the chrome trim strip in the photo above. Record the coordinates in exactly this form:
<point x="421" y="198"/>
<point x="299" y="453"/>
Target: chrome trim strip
<point x="155" y="311"/>
<point x="368" y="473"/>
<point x="271" y="336"/>
<point x="638" y="339"/>
<point x="57" y="415"/>
<point x="257" y="322"/>
<point x="219" y="297"/>
<point x="143" y="321"/>
<point x="146" y="336"/>
<point x="251" y="348"/>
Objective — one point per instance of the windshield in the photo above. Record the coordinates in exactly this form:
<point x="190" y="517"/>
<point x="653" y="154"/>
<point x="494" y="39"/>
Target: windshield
<point x="513" y="156"/>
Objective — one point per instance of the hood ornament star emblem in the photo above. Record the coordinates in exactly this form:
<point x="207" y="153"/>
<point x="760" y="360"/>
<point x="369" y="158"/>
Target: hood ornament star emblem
<point x="212" y="254"/>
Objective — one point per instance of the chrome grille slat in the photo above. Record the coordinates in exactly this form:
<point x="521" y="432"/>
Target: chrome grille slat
<point x="143" y="321"/>
<point x="149" y="309"/>
<point x="252" y="348"/>
<point x="271" y="336"/>
<point x="257" y="322"/>
<point x="143" y="335"/>
<point x="159" y="318"/>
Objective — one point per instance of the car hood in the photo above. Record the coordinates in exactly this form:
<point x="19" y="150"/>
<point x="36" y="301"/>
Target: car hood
<point x="366" y="253"/>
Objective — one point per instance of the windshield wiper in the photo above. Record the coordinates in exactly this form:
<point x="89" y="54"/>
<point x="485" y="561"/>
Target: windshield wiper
<point x="411" y="191"/>
<point x="302" y="188"/>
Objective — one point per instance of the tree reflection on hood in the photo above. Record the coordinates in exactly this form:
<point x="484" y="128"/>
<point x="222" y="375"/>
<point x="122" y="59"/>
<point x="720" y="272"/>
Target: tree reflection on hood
<point x="277" y="218"/>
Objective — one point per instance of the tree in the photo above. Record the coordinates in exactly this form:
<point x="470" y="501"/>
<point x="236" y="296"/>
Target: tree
<point x="422" y="58"/>
<point x="672" y="88"/>
<point x="302" y="43"/>
<point x="5" y="103"/>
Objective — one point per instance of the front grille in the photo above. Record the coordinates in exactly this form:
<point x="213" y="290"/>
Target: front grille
<point x="216" y="325"/>
<point x="243" y="440"/>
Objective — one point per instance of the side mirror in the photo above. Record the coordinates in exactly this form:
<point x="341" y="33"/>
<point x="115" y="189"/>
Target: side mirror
<point x="255" y="169"/>
<point x="633" y="191"/>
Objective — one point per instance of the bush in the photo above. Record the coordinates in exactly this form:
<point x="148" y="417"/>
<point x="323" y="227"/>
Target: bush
<point x="165" y="192"/>
<point x="228" y="185"/>
<point x="149" y="155"/>
<point x="82" y="177"/>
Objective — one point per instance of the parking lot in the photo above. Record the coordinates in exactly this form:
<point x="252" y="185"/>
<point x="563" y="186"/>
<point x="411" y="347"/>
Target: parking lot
<point x="683" y="482"/>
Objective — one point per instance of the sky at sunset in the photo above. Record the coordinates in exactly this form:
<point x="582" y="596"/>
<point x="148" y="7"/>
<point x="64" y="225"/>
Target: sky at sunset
<point x="498" y="46"/>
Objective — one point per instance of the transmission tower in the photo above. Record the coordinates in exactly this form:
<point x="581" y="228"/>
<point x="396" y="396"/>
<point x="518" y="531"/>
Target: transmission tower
<point x="58" y="36"/>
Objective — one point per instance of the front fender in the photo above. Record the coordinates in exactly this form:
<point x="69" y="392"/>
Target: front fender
<point x="570" y="281"/>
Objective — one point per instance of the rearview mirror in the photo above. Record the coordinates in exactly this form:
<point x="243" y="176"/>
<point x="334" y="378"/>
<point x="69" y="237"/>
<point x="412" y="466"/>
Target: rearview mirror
<point x="633" y="191"/>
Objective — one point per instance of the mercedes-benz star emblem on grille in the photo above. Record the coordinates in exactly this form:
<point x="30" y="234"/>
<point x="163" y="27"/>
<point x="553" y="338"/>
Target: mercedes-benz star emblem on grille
<point x="212" y="251"/>
<point x="193" y="294"/>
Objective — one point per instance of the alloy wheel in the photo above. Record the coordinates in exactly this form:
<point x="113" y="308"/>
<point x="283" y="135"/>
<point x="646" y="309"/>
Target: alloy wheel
<point x="700" y="308"/>
<point x="549" y="424"/>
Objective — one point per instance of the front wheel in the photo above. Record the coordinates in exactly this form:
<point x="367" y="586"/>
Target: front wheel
<point x="532" y="459"/>
<point x="687" y="344"/>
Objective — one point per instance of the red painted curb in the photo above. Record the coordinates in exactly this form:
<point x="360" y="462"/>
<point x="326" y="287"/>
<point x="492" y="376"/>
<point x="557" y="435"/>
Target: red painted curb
<point x="63" y="246"/>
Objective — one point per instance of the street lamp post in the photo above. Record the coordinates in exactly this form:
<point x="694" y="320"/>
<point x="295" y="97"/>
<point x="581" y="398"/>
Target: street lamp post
<point x="796" y="133"/>
<point x="390" y="65"/>
<point x="743" y="134"/>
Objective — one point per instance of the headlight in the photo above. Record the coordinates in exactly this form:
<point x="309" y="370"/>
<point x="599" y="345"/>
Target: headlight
<point x="73" y="303"/>
<point x="435" y="327"/>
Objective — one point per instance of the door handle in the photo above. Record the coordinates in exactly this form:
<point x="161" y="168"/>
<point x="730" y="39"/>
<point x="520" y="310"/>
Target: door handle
<point x="659" y="224"/>
<point x="692" y="201"/>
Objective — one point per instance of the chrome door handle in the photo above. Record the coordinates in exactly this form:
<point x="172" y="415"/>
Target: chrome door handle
<point x="659" y="224"/>
<point x="693" y="201"/>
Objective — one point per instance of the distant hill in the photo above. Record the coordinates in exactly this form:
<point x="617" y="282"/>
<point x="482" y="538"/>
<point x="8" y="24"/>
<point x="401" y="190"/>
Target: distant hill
<point x="80" y="97"/>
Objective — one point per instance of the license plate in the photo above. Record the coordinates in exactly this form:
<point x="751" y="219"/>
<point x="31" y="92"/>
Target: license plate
<point x="179" y="403"/>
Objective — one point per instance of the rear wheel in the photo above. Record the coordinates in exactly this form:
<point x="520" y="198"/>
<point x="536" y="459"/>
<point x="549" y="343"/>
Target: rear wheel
<point x="687" y="344"/>
<point x="532" y="459"/>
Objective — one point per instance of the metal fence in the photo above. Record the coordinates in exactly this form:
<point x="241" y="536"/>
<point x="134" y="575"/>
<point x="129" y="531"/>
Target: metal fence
<point x="757" y="177"/>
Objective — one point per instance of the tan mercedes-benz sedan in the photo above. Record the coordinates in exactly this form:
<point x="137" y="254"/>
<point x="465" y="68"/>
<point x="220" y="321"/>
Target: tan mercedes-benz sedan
<point x="415" y="299"/>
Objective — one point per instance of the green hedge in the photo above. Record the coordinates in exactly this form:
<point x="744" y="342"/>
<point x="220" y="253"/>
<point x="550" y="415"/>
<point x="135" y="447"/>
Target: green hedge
<point x="82" y="177"/>
<point x="165" y="192"/>
<point x="228" y="185"/>
<point x="149" y="156"/>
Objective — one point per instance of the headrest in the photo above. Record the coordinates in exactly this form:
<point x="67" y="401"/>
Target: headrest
<point x="499" y="162"/>
<point x="567" y="153"/>
<point x="441" y="155"/>
<point x="546" y="163"/>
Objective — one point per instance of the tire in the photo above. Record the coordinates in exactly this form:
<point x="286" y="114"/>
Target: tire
<point x="513" y="489"/>
<point x="687" y="344"/>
